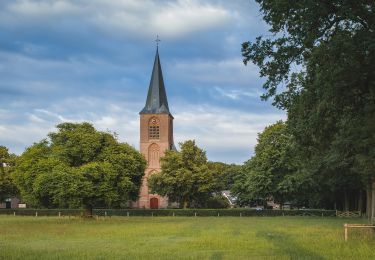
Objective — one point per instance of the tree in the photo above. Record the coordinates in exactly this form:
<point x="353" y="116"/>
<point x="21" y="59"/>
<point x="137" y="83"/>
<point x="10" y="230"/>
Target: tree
<point x="320" y="66"/>
<point x="224" y="174"/>
<point x="7" y="187"/>
<point x="185" y="177"/>
<point x="273" y="171"/>
<point x="78" y="166"/>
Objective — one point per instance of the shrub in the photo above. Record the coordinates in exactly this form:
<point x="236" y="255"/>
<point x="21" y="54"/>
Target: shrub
<point x="237" y="212"/>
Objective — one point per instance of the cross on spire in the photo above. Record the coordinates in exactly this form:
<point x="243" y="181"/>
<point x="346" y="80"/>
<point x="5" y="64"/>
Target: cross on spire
<point x="157" y="41"/>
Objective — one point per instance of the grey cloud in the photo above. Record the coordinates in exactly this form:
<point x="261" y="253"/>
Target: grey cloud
<point x="215" y="129"/>
<point x="170" y="18"/>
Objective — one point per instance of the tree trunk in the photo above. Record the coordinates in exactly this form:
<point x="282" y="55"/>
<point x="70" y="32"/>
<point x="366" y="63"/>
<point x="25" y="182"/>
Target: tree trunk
<point x="368" y="200"/>
<point x="346" y="201"/>
<point x="373" y="201"/>
<point x="360" y="201"/>
<point x="88" y="212"/>
<point x="186" y="203"/>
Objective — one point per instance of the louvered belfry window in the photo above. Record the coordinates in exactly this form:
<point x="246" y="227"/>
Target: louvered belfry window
<point x="153" y="129"/>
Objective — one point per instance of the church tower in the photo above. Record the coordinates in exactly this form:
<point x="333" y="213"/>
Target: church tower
<point x="156" y="135"/>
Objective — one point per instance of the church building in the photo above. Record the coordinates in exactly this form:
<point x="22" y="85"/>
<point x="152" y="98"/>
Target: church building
<point x="156" y="135"/>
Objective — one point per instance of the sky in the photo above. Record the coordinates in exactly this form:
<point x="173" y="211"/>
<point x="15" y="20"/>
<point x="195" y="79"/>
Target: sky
<point x="91" y="60"/>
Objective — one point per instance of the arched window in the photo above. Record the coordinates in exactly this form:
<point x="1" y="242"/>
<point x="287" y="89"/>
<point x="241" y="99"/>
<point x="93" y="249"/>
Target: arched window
<point x="153" y="128"/>
<point x="153" y="156"/>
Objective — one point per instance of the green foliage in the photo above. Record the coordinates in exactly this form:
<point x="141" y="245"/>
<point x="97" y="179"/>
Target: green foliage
<point x="301" y="32"/>
<point x="224" y="174"/>
<point x="79" y="167"/>
<point x="320" y="65"/>
<point x="212" y="212"/>
<point x="7" y="161"/>
<point x="42" y="212"/>
<point x="273" y="171"/>
<point x="185" y="177"/>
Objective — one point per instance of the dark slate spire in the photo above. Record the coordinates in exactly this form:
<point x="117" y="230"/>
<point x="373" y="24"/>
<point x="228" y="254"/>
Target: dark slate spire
<point x="156" y="102"/>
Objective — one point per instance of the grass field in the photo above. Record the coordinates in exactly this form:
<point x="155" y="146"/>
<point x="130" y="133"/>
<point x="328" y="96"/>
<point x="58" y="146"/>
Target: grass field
<point x="182" y="238"/>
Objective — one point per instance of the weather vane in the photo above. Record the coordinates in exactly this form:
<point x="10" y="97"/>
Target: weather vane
<point x="157" y="41"/>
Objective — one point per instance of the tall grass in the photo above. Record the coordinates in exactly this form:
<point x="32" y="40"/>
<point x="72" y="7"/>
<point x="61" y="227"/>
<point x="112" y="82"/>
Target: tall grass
<point x="182" y="238"/>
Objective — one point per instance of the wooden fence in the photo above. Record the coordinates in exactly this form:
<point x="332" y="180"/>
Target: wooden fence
<point x="347" y="226"/>
<point x="348" y="214"/>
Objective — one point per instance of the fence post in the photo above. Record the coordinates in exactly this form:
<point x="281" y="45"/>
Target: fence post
<point x="105" y="213"/>
<point x="14" y="213"/>
<point x="195" y="214"/>
<point x="127" y="214"/>
<point x="240" y="214"/>
<point x="173" y="213"/>
<point x="218" y="214"/>
<point x="59" y="214"/>
<point x="36" y="213"/>
<point x="346" y="232"/>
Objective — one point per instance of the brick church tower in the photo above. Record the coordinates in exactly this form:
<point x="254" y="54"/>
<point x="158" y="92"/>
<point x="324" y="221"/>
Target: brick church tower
<point x="156" y="135"/>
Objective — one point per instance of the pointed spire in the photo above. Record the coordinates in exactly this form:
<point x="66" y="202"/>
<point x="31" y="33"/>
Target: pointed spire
<point x="156" y="102"/>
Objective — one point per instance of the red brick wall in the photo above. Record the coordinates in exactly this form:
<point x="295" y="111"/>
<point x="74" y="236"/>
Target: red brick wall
<point x="163" y="143"/>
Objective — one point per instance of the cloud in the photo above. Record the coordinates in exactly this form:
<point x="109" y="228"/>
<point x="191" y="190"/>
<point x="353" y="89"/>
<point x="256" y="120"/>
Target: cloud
<point x="218" y="130"/>
<point x="185" y="16"/>
<point x="236" y="94"/>
<point x="107" y="121"/>
<point x="215" y="129"/>
<point x="35" y="119"/>
<point x="5" y="114"/>
<point x="19" y="136"/>
<point x="167" y="18"/>
<point x="171" y="19"/>
<point x="51" y="79"/>
<point x="90" y="60"/>
<point x="218" y="72"/>
<point x="51" y="116"/>
<point x="42" y="8"/>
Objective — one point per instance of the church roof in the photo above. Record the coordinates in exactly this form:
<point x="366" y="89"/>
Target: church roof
<point x="156" y="102"/>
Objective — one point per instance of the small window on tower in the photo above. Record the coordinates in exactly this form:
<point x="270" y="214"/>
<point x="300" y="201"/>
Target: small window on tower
<point x="154" y="132"/>
<point x="153" y="129"/>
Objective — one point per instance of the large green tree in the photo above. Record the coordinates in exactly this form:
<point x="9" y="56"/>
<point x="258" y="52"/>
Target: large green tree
<point x="319" y="64"/>
<point x="224" y="174"/>
<point x="185" y="177"/>
<point x="78" y="166"/>
<point x="7" y="161"/>
<point x="273" y="171"/>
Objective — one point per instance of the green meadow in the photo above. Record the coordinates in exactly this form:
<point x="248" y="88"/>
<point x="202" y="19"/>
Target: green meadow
<point x="182" y="238"/>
